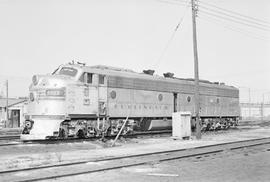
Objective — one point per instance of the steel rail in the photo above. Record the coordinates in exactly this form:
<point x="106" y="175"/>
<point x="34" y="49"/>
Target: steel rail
<point x="9" y="137"/>
<point x="71" y="140"/>
<point x="9" y="144"/>
<point x="158" y="157"/>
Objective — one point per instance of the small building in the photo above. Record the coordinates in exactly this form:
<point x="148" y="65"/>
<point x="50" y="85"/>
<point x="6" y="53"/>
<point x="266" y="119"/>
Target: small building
<point x="16" y="111"/>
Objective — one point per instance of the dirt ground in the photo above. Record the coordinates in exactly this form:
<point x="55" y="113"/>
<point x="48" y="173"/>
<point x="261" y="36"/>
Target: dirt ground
<point x="251" y="165"/>
<point x="13" y="157"/>
<point x="246" y="165"/>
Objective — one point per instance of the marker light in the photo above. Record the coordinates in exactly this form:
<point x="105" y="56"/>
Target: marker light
<point x="35" y="79"/>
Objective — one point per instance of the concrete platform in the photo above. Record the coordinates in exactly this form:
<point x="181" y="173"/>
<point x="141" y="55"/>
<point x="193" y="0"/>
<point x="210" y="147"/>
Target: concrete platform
<point x="36" y="155"/>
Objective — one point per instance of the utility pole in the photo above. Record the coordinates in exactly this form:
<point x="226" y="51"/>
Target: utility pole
<point x="6" y="102"/>
<point x="194" y="8"/>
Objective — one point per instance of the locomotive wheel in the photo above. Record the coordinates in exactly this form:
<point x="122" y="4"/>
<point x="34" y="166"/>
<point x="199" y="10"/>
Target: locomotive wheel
<point x="25" y="131"/>
<point x="80" y="134"/>
<point x="109" y="131"/>
<point x="62" y="133"/>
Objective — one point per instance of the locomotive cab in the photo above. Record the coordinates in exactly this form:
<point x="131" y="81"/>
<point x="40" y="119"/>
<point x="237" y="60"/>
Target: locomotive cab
<point x="46" y="107"/>
<point x="60" y="103"/>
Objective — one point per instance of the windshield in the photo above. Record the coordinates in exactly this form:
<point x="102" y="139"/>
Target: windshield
<point x="68" y="71"/>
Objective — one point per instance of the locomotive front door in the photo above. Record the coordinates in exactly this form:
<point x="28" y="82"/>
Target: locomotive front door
<point x="95" y="93"/>
<point x="102" y="95"/>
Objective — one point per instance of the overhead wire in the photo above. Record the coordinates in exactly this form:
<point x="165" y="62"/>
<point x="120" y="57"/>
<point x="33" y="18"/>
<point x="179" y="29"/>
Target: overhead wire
<point x="171" y="38"/>
<point x="233" y="16"/>
<point x="183" y="1"/>
<point x="235" y="29"/>
<point x="214" y="14"/>
<point x="228" y="15"/>
<point x="234" y="20"/>
<point x="180" y="3"/>
<point x="235" y="13"/>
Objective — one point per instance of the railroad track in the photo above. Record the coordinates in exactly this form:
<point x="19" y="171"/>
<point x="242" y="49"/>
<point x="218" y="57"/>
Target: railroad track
<point x="5" y="140"/>
<point x="74" y="140"/>
<point x="111" y="163"/>
<point x="9" y="137"/>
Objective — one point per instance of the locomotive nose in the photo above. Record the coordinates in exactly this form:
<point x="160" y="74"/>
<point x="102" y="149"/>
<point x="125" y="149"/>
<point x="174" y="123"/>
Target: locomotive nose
<point x="47" y="87"/>
<point x="48" y="81"/>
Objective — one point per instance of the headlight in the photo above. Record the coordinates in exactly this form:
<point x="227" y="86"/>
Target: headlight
<point x="29" y="124"/>
<point x="55" y="92"/>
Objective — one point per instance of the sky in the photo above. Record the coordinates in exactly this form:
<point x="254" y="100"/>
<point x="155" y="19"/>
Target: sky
<point x="36" y="36"/>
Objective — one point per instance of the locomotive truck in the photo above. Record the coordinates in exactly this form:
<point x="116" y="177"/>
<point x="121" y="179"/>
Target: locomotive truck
<point x="89" y="101"/>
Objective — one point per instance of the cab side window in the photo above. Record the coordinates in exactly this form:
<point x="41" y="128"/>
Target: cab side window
<point x="89" y="78"/>
<point x="86" y="78"/>
<point x="101" y="79"/>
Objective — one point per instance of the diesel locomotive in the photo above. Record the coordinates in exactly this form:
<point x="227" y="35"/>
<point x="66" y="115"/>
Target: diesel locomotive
<point x="89" y="101"/>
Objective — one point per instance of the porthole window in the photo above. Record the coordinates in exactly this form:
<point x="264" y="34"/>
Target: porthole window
<point x="160" y="97"/>
<point x="188" y="98"/>
<point x="113" y="94"/>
